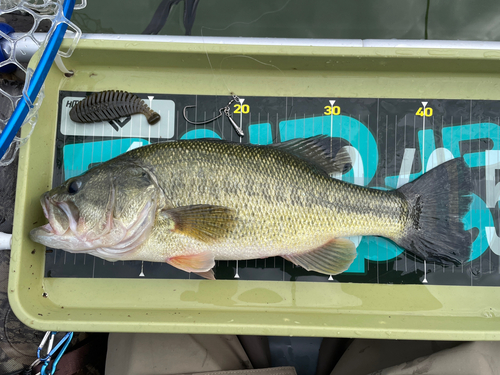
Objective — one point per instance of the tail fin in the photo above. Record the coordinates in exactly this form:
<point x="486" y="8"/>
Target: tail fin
<point x="437" y="202"/>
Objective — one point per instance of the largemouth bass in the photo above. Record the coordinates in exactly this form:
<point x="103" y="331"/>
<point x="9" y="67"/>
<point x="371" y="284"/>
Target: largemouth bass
<point x="189" y="203"/>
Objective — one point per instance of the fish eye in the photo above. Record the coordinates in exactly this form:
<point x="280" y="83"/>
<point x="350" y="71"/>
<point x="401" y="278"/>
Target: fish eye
<point x="74" y="186"/>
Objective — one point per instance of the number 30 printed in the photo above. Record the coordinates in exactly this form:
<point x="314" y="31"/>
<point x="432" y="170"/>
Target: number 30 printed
<point x="332" y="110"/>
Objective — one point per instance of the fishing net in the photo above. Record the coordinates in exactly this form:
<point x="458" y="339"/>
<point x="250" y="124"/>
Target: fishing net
<point x="15" y="43"/>
<point x="25" y="26"/>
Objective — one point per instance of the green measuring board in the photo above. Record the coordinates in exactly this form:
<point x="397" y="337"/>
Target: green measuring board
<point x="391" y="142"/>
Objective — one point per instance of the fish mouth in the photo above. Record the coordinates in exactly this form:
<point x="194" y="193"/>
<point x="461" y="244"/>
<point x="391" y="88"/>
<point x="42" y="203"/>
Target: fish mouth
<point x="62" y="216"/>
<point x="65" y="229"/>
<point x="47" y="229"/>
<point x="113" y="242"/>
<point x="61" y="223"/>
<point x="46" y="235"/>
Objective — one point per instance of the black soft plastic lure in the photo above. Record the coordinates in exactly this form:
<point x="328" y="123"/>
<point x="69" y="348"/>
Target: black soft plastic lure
<point x="111" y="105"/>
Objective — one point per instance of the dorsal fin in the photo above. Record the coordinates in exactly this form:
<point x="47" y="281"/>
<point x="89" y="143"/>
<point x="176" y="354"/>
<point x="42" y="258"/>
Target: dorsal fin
<point x="315" y="152"/>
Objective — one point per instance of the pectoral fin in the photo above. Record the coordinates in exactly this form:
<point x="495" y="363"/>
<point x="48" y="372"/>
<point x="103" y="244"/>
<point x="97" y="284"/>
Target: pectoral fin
<point x="204" y="222"/>
<point x="332" y="258"/>
<point x="201" y="263"/>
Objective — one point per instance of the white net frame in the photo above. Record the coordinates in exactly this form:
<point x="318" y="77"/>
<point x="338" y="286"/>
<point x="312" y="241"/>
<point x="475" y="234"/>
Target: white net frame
<point x="40" y="10"/>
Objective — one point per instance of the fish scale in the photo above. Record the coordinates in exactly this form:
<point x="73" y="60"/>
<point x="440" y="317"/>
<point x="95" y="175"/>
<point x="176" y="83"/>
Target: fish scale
<point x="263" y="186"/>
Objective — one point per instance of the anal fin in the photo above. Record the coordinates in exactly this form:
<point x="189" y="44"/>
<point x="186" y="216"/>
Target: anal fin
<point x="209" y="275"/>
<point x="332" y="258"/>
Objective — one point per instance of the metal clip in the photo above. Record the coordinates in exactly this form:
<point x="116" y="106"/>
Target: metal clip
<point x="223" y="111"/>
<point x="42" y="344"/>
<point x="238" y="130"/>
<point x="40" y="348"/>
<point x="46" y="360"/>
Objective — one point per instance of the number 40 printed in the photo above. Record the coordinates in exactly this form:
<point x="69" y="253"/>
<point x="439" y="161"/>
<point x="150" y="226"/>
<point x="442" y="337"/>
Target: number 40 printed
<point x="427" y="112"/>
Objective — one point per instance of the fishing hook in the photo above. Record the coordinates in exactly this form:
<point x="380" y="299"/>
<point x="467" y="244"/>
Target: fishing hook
<point x="223" y="111"/>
